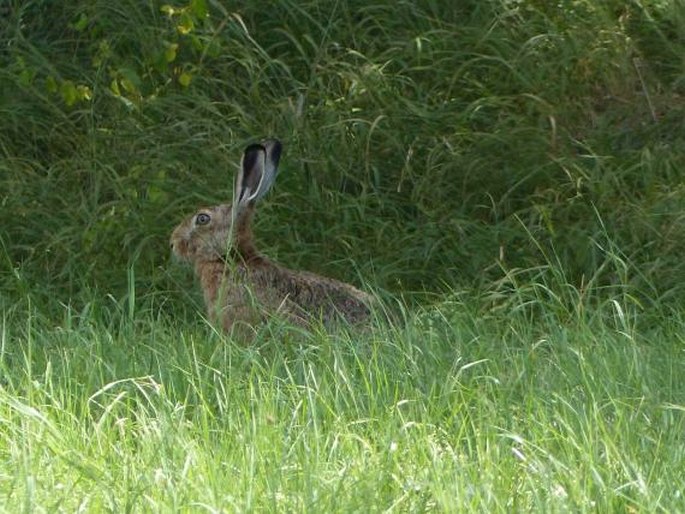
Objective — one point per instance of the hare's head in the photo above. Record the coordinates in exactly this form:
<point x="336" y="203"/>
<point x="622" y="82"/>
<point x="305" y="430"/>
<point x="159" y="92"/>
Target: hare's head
<point x="223" y="231"/>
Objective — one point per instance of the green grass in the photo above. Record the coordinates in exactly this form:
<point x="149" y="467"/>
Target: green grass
<point x="457" y="409"/>
<point x="423" y="141"/>
<point x="507" y="175"/>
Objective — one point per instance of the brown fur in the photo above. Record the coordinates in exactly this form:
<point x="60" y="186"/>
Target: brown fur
<point x="241" y="286"/>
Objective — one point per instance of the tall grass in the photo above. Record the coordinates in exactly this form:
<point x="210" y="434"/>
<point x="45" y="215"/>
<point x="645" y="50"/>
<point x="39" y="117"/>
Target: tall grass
<point x="424" y="142"/>
<point x="508" y="175"/>
<point x="458" y="410"/>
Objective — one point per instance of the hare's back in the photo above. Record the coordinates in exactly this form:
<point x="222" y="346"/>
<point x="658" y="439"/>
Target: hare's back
<point x="308" y="295"/>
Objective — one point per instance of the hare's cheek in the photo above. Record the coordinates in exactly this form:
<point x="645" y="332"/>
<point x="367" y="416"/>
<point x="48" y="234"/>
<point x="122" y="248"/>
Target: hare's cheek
<point x="181" y="248"/>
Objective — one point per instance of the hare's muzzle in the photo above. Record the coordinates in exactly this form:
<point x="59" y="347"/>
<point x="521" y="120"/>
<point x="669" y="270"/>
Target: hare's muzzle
<point x="179" y="243"/>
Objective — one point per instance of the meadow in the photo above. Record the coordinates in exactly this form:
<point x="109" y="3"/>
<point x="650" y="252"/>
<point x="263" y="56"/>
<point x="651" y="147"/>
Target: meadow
<point x="507" y="176"/>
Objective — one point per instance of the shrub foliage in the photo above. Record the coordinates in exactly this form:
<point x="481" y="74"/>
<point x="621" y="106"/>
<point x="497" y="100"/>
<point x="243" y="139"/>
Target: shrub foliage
<point x="428" y="144"/>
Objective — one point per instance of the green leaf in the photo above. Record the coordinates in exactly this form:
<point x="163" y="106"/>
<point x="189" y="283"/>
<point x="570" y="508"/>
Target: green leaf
<point x="196" y="43"/>
<point x="199" y="8"/>
<point x="185" y="79"/>
<point x="69" y="92"/>
<point x="84" y="92"/>
<point x="129" y="76"/>
<point x="186" y="24"/>
<point x="114" y="87"/>
<point x="170" y="52"/>
<point x="128" y="86"/>
<point x="51" y="84"/>
<point x="81" y="24"/>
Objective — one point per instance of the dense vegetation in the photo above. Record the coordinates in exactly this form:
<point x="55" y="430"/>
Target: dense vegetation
<point x="509" y="175"/>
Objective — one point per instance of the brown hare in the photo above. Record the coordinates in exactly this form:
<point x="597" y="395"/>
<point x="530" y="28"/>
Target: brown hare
<point x="242" y="286"/>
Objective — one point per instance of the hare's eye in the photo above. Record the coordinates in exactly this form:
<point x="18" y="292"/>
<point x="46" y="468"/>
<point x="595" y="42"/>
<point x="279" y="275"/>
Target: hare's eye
<point x="202" y="218"/>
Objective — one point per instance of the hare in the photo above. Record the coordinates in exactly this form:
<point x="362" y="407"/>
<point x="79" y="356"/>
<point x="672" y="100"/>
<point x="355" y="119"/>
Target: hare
<point x="242" y="286"/>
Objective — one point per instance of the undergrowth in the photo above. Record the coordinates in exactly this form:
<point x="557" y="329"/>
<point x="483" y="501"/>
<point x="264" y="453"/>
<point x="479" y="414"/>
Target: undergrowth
<point x="424" y="143"/>
<point x="506" y="175"/>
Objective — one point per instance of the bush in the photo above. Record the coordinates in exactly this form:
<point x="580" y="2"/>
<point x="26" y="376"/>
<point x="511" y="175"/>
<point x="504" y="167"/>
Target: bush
<point x="428" y="144"/>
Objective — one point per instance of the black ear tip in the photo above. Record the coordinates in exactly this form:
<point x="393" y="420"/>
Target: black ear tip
<point x="273" y="149"/>
<point x="253" y="148"/>
<point x="271" y="143"/>
<point x="251" y="154"/>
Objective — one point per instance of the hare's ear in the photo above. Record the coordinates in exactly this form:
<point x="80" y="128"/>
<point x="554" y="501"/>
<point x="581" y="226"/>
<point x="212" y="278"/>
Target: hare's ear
<point x="273" y="149"/>
<point x="257" y="173"/>
<point x="250" y="174"/>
